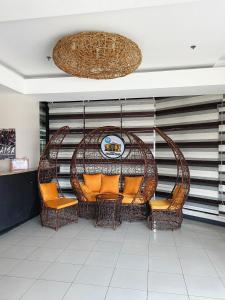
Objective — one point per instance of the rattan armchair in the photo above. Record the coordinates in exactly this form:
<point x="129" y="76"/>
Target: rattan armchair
<point x="56" y="210"/>
<point x="167" y="213"/>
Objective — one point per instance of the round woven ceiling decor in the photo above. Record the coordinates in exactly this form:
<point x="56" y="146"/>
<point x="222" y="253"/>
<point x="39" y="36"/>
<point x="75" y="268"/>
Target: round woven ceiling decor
<point x="97" y="55"/>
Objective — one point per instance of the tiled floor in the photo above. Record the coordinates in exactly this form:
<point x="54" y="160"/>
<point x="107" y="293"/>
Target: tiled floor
<point x="81" y="262"/>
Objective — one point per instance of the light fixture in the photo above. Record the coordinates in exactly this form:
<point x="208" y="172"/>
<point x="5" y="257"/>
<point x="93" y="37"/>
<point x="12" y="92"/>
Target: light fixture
<point x="97" y="55"/>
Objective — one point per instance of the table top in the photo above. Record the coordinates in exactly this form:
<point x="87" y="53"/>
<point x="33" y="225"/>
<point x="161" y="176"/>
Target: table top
<point x="109" y="197"/>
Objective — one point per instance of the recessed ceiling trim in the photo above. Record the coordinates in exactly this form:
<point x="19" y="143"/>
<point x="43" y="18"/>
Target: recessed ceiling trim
<point x="11" y="10"/>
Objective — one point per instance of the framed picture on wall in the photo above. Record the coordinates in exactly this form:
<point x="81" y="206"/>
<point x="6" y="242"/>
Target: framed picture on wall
<point x="7" y="143"/>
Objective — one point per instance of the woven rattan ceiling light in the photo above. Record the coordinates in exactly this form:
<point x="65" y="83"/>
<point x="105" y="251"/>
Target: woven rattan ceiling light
<point x="97" y="55"/>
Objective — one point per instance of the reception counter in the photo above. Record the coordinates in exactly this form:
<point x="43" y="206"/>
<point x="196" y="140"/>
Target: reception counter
<point x="19" y="198"/>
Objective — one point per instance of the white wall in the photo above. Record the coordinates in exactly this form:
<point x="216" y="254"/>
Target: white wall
<point x="22" y="113"/>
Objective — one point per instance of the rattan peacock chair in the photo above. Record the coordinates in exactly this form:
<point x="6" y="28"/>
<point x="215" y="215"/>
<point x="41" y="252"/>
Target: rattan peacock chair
<point x="136" y="163"/>
<point x="56" y="210"/>
<point x="167" y="213"/>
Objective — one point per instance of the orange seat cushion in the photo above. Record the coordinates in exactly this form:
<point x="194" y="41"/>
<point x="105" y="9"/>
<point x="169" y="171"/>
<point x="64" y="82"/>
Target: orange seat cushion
<point x="110" y="184"/>
<point x="159" y="204"/>
<point x="132" y="184"/>
<point x="60" y="203"/>
<point x="129" y="198"/>
<point x="93" y="181"/>
<point x="49" y="191"/>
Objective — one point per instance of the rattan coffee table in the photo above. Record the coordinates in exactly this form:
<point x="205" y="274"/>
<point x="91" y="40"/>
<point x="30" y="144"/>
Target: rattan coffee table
<point x="108" y="211"/>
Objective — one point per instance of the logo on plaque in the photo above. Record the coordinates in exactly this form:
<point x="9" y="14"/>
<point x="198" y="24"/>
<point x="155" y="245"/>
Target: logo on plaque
<point x="112" y="146"/>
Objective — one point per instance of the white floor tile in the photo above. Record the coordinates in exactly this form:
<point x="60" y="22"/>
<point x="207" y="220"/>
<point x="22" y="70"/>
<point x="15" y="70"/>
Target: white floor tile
<point x="137" y="236"/>
<point x="135" y="248"/>
<point x="164" y="238"/>
<point x="198" y="266"/>
<point x="162" y="251"/>
<point x="130" y="279"/>
<point x="87" y="256"/>
<point x="125" y="294"/>
<point x="45" y="254"/>
<point x="204" y="286"/>
<point x="33" y="241"/>
<point x="4" y="247"/>
<point x="166" y="296"/>
<point x="166" y="283"/>
<point x="165" y="265"/>
<point x="29" y="269"/>
<point x="12" y="288"/>
<point x="113" y="235"/>
<point x="191" y="252"/>
<point x="201" y="298"/>
<point x="61" y="272"/>
<point x="78" y="244"/>
<point x="137" y="262"/>
<point x="46" y="290"/>
<point x="85" y="292"/>
<point x="57" y="242"/>
<point x="73" y="257"/>
<point x="187" y="241"/>
<point x="11" y="238"/>
<point x="103" y="259"/>
<point x="89" y="234"/>
<point x="108" y="246"/>
<point x="6" y="265"/>
<point x="18" y="252"/>
<point x="94" y="275"/>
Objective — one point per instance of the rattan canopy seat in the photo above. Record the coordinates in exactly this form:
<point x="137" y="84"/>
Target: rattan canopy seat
<point x="167" y="213"/>
<point x="136" y="163"/>
<point x="56" y="210"/>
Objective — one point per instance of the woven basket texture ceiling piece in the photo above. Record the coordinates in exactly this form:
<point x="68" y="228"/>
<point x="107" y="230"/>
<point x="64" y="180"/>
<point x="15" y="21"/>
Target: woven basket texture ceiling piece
<point x="97" y="55"/>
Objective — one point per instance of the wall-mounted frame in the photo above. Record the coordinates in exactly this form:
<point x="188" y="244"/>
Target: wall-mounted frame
<point x="7" y="143"/>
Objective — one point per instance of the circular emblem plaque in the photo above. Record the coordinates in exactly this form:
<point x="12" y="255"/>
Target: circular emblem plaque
<point x="112" y="146"/>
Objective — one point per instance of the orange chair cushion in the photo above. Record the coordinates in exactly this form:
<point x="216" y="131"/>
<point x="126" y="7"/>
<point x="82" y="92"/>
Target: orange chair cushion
<point x="93" y="181"/>
<point x="132" y="184"/>
<point x="179" y="199"/>
<point x="60" y="203"/>
<point x="110" y="184"/>
<point x="49" y="191"/>
<point x="176" y="190"/>
<point x="129" y="198"/>
<point x="159" y="204"/>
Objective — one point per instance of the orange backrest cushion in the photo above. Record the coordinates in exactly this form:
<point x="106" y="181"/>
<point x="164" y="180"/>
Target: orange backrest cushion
<point x="181" y="193"/>
<point x="93" y="181"/>
<point x="132" y="184"/>
<point x="176" y="190"/>
<point x="110" y="184"/>
<point x="49" y="191"/>
<point x="179" y="199"/>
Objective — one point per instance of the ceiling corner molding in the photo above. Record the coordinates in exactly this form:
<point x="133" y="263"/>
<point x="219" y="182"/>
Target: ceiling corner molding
<point x="11" y="79"/>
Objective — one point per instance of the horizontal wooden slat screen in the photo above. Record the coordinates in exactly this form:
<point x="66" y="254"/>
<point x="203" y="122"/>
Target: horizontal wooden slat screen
<point x="193" y="123"/>
<point x="135" y="114"/>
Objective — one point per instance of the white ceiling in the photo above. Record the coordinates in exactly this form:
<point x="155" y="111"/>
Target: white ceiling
<point x="163" y="29"/>
<point x="164" y="34"/>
